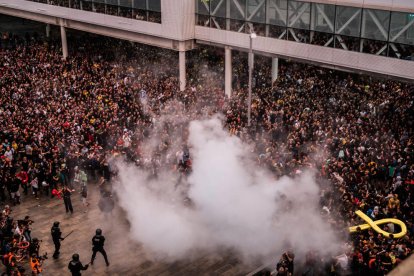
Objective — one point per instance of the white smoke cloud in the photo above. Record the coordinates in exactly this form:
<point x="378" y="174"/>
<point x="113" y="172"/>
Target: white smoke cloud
<point x="234" y="204"/>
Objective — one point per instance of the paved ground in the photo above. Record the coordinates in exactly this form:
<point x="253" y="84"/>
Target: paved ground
<point x="404" y="269"/>
<point x="125" y="256"/>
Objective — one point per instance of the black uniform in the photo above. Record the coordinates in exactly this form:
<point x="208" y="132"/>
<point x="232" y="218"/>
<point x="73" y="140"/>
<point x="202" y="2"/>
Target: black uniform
<point x="57" y="237"/>
<point x="98" y="246"/>
<point x="14" y="191"/>
<point x="67" y="200"/>
<point x="75" y="267"/>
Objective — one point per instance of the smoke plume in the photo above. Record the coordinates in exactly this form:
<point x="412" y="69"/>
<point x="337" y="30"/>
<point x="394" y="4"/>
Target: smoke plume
<point x="228" y="202"/>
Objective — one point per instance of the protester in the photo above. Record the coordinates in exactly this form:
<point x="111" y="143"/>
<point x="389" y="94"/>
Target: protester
<point x="285" y="265"/>
<point x="66" y="192"/>
<point x="84" y="195"/>
<point x="36" y="265"/>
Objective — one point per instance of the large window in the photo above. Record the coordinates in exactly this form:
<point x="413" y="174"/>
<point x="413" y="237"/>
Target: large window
<point x="322" y="25"/>
<point x="323" y="18"/>
<point x="218" y="8"/>
<point x="238" y="9"/>
<point x="401" y="35"/>
<point x="148" y="10"/>
<point x="277" y="12"/>
<point x="256" y="11"/>
<point x="298" y="21"/>
<point x="372" y="31"/>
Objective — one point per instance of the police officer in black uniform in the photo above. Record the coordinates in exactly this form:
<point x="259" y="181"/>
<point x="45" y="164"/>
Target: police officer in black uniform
<point x="57" y="237"/>
<point x="98" y="246"/>
<point x="75" y="266"/>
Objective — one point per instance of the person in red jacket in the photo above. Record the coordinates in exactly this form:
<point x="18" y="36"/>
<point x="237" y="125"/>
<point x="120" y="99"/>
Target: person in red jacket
<point x="24" y="178"/>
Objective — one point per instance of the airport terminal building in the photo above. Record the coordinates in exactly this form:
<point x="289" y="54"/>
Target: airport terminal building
<point x="362" y="36"/>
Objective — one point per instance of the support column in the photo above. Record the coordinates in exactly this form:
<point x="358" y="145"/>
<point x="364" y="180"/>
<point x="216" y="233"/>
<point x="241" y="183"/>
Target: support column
<point x="64" y="42"/>
<point x="228" y="5"/>
<point x="181" y="60"/>
<point x="275" y="69"/>
<point x="47" y="30"/>
<point x="249" y="97"/>
<point x="363" y="23"/>
<point x="228" y="76"/>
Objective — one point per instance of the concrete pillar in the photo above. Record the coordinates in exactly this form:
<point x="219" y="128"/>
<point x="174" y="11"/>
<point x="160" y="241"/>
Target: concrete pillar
<point x="312" y="25"/>
<point x="181" y="60"/>
<point x="64" y="42"/>
<point x="48" y="30"/>
<point x="363" y="23"/>
<point x="275" y="69"/>
<point x="228" y="76"/>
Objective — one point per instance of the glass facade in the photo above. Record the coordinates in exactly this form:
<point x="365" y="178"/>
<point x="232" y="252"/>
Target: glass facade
<point x="377" y="32"/>
<point x="147" y="10"/>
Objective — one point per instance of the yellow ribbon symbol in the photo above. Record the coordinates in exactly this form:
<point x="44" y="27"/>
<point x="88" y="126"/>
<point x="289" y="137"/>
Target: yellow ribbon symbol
<point x="374" y="225"/>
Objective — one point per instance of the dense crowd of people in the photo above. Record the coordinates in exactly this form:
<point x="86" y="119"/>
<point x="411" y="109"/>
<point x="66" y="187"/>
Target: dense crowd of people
<point x="63" y="120"/>
<point x="17" y="244"/>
